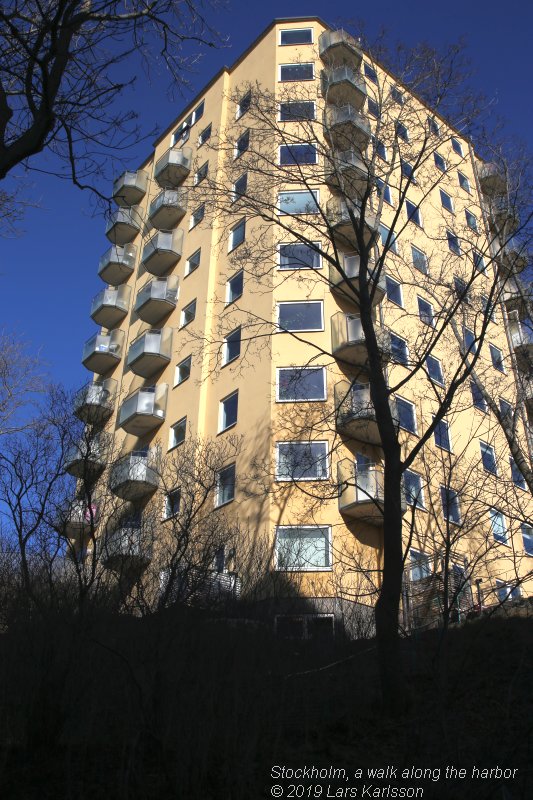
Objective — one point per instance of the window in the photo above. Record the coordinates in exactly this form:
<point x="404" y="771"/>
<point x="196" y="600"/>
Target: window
<point x="228" y="412"/>
<point x="420" y="259"/>
<point x="188" y="314"/>
<point x="177" y="433"/>
<point x="488" y="308"/>
<point x="244" y="104"/>
<point x="384" y="234"/>
<point x="183" y="370"/>
<point x="440" y="162"/>
<point x="297" y="72"/>
<point x="471" y="220"/>
<point x="450" y="505"/>
<point x="478" y="401"/>
<point x="225" y="486"/>
<point x="299" y="256"/>
<point x="372" y="108"/>
<point x="457" y="147"/>
<point x="399" y="350"/>
<point x="518" y="478"/>
<point x="298" y="384"/>
<point x="527" y="538"/>
<point x="506" y="409"/>
<point x="496" y="356"/>
<point x="305" y="316"/>
<point x="237" y="234"/>
<point x="506" y="592"/>
<point x="193" y="262"/>
<point x="297" y="110"/>
<point x="442" y="435"/>
<point x="201" y="174"/>
<point x="498" y="526"/>
<point x="242" y="144"/>
<point x="406" y="414"/>
<point x="420" y="565"/>
<point x="461" y="290"/>
<point x="234" y="287"/>
<point x="302" y="461"/>
<point x="370" y="73"/>
<point x="240" y="186"/>
<point x="394" y="290"/>
<point x="197" y="216"/>
<point x="296" y="36"/>
<point x="303" y="548"/>
<point x="453" y="243"/>
<point x="412" y="487"/>
<point x="464" y="183"/>
<point x="469" y="341"/>
<point x="172" y="504"/>
<point x="384" y="191"/>
<point x="297" y="154"/>
<point x="425" y="312"/>
<point x="379" y="148"/>
<point x="397" y="96"/>
<point x="433" y="126"/>
<point x="413" y="213"/>
<point x="434" y="368"/>
<point x="488" y="458"/>
<point x="479" y="262"/>
<point x="231" y="349"/>
<point x="305" y="202"/>
<point x="402" y="132"/>
<point x="446" y="201"/>
<point x="204" y="136"/>
<point x="407" y="170"/>
<point x="181" y="134"/>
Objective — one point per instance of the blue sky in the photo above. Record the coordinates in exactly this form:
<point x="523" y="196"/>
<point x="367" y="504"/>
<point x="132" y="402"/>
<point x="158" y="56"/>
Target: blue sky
<point x="48" y="274"/>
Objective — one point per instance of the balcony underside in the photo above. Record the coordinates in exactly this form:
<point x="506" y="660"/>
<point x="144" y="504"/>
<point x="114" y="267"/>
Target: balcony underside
<point x="109" y="315"/>
<point x="139" y="424"/>
<point x="363" y="510"/>
<point x="148" y="364"/>
<point x="360" y="427"/>
<point x="154" y="309"/>
<point x="167" y="217"/>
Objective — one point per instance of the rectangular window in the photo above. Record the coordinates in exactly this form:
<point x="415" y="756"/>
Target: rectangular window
<point x="172" y="504"/>
<point x="478" y="401"/>
<point x="297" y="154"/>
<point x="518" y="478"/>
<point x="402" y="132"/>
<point x="305" y="202"/>
<point x="372" y="108"/>
<point x="297" y="72"/>
<point x="488" y="308"/>
<point x="237" y="234"/>
<point x="188" y="314"/>
<point x="225" y="486"/>
<point x="433" y="126"/>
<point x="464" y="183"/>
<point x="440" y="162"/>
<point x="413" y="213"/>
<point x="370" y="73"/>
<point x="479" y="262"/>
<point x="383" y="190"/>
<point x="434" y="368"/>
<point x="242" y="144"/>
<point x="231" y="349"/>
<point x="197" y="216"/>
<point x="457" y="146"/>
<point x="396" y="95"/>
<point x="305" y="316"/>
<point x="239" y="187"/>
<point x="461" y="290"/>
<point x="406" y="414"/>
<point x="453" y="243"/>
<point x="183" y="370"/>
<point x="177" y="433"/>
<point x="399" y="349"/>
<point x="394" y="290"/>
<point x="201" y="174"/>
<point x="228" y="409"/>
<point x="469" y="341"/>
<point x="297" y="110"/>
<point x="471" y="221"/>
<point x="450" y="505"/>
<point x="298" y="384"/>
<point x="488" y="458"/>
<point x="302" y="461"/>
<point x="496" y="356"/>
<point x="527" y="538"/>
<point x="420" y="565"/>
<point x="420" y="260"/>
<point x="379" y="148"/>
<point x="234" y="287"/>
<point x="296" y="36"/>
<point x="297" y="255"/>
<point x="442" y="436"/>
<point x="407" y="170"/>
<point x="304" y="547"/>
<point x="446" y="201"/>
<point x="506" y="410"/>
<point x="425" y="312"/>
<point x="506" y="592"/>
<point x="193" y="262"/>
<point x="244" y="104"/>
<point x="204" y="136"/>
<point x="497" y="525"/>
<point x="181" y="134"/>
<point x="412" y="487"/>
<point x="384" y="234"/>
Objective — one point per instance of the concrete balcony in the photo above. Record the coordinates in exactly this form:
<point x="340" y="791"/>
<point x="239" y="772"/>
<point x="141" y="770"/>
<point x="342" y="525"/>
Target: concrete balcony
<point x="134" y="476"/>
<point x="503" y="219"/>
<point x="130" y="188"/>
<point x="150" y="352"/>
<point x="522" y="343"/>
<point x="525" y="391"/>
<point x="338" y="47"/>
<point x="348" y="284"/>
<point x="94" y="403"/>
<point x="346" y="172"/>
<point x="346" y="128"/>
<point x="355" y="415"/>
<point x="157" y="299"/>
<point x="343" y="86"/>
<point x="491" y="180"/>
<point x="338" y="217"/>
<point x="110" y="306"/>
<point x="77" y="520"/>
<point x="168" y="208"/>
<point x="144" y="410"/>
<point x="127" y="548"/>
<point x="361" y="492"/>
<point x="117" y="264"/>
<point x="103" y="352"/>
<point x="348" y="340"/>
<point x="87" y="458"/>
<point x="513" y="257"/>
<point x="162" y="252"/>
<point x="172" y="168"/>
<point x="124" y="225"/>
<point x="517" y="299"/>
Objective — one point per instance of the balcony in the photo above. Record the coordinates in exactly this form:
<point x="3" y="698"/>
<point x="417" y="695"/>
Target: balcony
<point x="346" y="172"/>
<point x="516" y="299"/>
<point x="87" y="458"/>
<point x="492" y="180"/>
<point x="503" y="219"/>
<point x="348" y="340"/>
<point x="525" y="391"/>
<point x="127" y="547"/>
<point x="338" y="47"/>
<point x="343" y="85"/>
<point x="162" y="252"/>
<point x="77" y="520"/>
<point x="144" y="410"/>
<point x="134" y="476"/>
<point x="94" y="403"/>
<point x="167" y="209"/>
<point x="346" y="128"/>
<point x="172" y="168"/>
<point x="361" y="491"/>
<point x="522" y="342"/>
<point x="124" y="225"/>
<point x="117" y="264"/>
<point x="156" y="299"/>
<point x="338" y="217"/>
<point x="110" y="306"/>
<point x="355" y="415"/>
<point x="130" y="188"/>
<point x="150" y="352"/>
<point x="103" y="352"/>
<point x="514" y="257"/>
<point x="348" y="286"/>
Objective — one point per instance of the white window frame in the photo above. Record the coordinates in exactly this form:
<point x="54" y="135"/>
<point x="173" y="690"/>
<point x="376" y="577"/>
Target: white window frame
<point x="457" y="147"/>
<point x="303" y="443"/>
<point x="416" y="217"/>
<point x="394" y="361"/>
<point x="217" y="485"/>
<point x="418" y="250"/>
<point x="302" y="44"/>
<point x="228" y="301"/>
<point x="315" y="192"/>
<point x="187" y="271"/>
<point x="450" y="443"/>
<point x="194" y="222"/>
<point x="297" y="163"/>
<point x="439" y="362"/>
<point x="439" y="155"/>
<point x="457" y="498"/>
<point x="399" y="285"/>
<point x="296" y="64"/>
<point x="461" y="175"/>
<point x="202" y="141"/>
<point x="221" y="412"/>
<point x="183" y="323"/>
<point x="238" y="112"/>
<point x="423" y="321"/>
<point x="305" y="400"/>
<point x="296" y="242"/>
<point x="475" y="220"/>
<point x="420" y="500"/>
<point x="488" y="446"/>
<point x="304" y="569"/>
<point x="167" y="513"/>
<point x="231" y="245"/>
<point x="198" y="176"/>
<point x="172" y="444"/>
<point x="177" y="380"/>
<point x="236" y="152"/>
<point x="492" y="349"/>
<point x="442" y="194"/>
<point x="493" y="512"/>
<point x="225" y="359"/>
<point x="288" y="102"/>
<point x="234" y="195"/>
<point x="418" y="563"/>
<point x="301" y="303"/>
<point x="413" y="407"/>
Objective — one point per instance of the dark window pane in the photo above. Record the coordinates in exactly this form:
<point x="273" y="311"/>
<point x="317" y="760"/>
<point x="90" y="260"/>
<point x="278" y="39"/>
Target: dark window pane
<point x="298" y="256"/>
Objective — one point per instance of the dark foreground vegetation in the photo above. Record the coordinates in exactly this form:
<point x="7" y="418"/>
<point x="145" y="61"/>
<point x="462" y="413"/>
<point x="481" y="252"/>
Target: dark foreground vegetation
<point x="179" y="705"/>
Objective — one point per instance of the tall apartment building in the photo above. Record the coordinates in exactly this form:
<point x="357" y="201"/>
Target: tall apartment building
<point x="231" y="308"/>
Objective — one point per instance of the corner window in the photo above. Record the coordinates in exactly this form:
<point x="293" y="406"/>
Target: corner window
<point x="453" y="243"/>
<point x="244" y="104"/>
<point x="239" y="187"/>
<point x="496" y="356"/>
<point x="204" y="136"/>
<point x="297" y="72"/>
<point x="302" y="461"/>
<point x="406" y="415"/>
<point x="228" y="412"/>
<point x="425" y="312"/>
<point x="298" y="384"/>
<point x="183" y="370"/>
<point x="440" y="162"/>
<point x="234" y="287"/>
<point x="237" y="234"/>
<point x="297" y="154"/>
<point x="296" y="36"/>
<point x="457" y="147"/>
<point x="177" y="433"/>
<point x="172" y="504"/>
<point x="434" y="368"/>
<point x="305" y="316"/>
<point x="242" y="144"/>
<point x="394" y="290"/>
<point x="450" y="505"/>
<point x="193" y="262"/>
<point x="305" y="547"/>
<point x="446" y="201"/>
<point x="488" y="458"/>
<point x="231" y="348"/>
<point x="296" y="255"/>
<point x="300" y="202"/>
<point x="225" y="486"/>
<point x="516" y="475"/>
<point x="399" y="350"/>
<point x="370" y="73"/>
<point x="412" y="487"/>
<point x="413" y="213"/>
<point x="188" y="314"/>
<point x="420" y="260"/>
<point x="464" y="183"/>
<point x="197" y="216"/>
<point x="297" y="110"/>
<point x="478" y="401"/>
<point x="442" y="436"/>
<point x="498" y="526"/>
<point x="471" y="221"/>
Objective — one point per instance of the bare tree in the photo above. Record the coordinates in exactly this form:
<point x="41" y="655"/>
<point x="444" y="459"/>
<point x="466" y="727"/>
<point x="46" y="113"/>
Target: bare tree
<point x="21" y="382"/>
